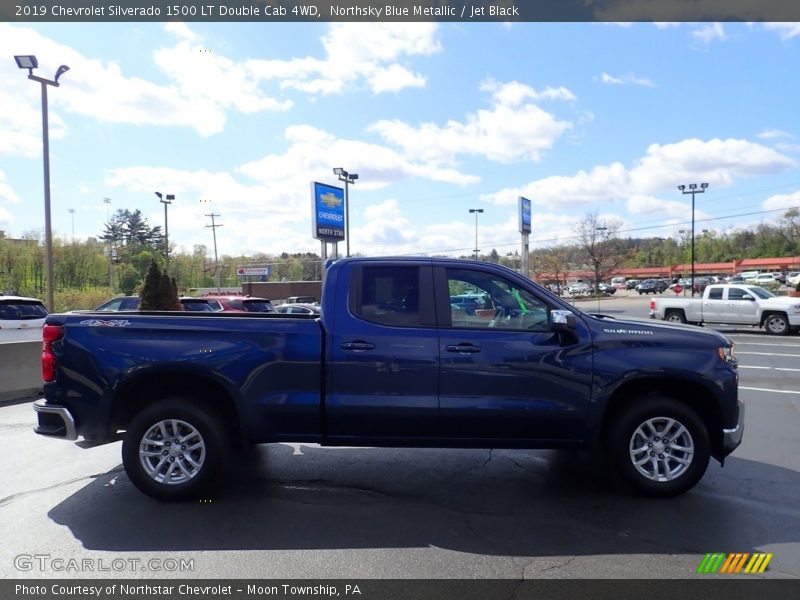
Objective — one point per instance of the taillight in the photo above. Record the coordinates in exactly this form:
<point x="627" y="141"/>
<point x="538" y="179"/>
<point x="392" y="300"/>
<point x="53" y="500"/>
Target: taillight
<point x="652" y="304"/>
<point x="50" y="334"/>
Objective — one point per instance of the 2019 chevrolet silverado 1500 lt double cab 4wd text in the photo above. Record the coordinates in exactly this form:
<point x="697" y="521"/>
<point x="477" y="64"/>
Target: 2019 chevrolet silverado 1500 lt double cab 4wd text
<point x="732" y="304"/>
<point x="392" y="362"/>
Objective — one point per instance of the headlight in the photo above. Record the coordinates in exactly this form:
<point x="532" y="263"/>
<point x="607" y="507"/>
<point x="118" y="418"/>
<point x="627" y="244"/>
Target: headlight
<point x="727" y="354"/>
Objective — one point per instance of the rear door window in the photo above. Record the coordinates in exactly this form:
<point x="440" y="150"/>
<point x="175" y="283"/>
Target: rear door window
<point x="388" y="296"/>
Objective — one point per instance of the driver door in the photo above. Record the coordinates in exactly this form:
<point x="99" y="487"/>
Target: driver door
<point x="504" y="374"/>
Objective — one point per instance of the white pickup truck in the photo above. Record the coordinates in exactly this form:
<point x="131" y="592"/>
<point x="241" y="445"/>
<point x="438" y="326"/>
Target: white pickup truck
<point x="732" y="304"/>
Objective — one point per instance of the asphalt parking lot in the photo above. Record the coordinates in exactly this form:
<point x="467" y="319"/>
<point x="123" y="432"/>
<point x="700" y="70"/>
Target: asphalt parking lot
<point x="301" y="511"/>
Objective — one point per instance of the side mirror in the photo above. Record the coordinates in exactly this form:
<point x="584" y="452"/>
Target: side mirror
<point x="562" y="320"/>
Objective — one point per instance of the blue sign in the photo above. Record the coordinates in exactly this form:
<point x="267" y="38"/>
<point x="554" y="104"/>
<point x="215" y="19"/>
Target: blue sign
<point x="327" y="210"/>
<point x="524" y="215"/>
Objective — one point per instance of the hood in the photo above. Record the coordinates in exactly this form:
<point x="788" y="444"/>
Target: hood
<point x="639" y="328"/>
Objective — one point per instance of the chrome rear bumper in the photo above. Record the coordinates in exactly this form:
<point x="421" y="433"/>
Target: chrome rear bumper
<point x="54" y="421"/>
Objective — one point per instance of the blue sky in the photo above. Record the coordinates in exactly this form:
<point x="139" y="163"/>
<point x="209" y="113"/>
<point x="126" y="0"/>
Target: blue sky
<point x="435" y="118"/>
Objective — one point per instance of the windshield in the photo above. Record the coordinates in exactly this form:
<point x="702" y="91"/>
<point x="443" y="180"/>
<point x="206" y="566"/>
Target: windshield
<point x="760" y="292"/>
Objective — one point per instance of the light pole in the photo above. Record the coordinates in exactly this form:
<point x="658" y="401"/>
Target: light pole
<point x="693" y="190"/>
<point x="603" y="238"/>
<point x="166" y="201"/>
<point x="72" y="214"/>
<point x="346" y="178"/>
<point x="29" y="61"/>
<point x="107" y="202"/>
<point x="476" y="211"/>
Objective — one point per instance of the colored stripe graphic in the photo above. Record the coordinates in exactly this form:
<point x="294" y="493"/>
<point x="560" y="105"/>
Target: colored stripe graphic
<point x="711" y="563"/>
<point x="719" y="562"/>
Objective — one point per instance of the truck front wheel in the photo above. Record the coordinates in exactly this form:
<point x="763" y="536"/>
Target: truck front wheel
<point x="659" y="445"/>
<point x="175" y="449"/>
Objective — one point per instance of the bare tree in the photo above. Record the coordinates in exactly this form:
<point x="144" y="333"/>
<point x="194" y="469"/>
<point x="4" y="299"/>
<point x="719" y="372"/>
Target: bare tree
<point x="597" y="239"/>
<point x="551" y="264"/>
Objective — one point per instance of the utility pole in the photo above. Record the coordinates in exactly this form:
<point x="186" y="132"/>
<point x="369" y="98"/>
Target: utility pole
<point x="107" y="202"/>
<point x="213" y="227"/>
<point x="72" y="214"/>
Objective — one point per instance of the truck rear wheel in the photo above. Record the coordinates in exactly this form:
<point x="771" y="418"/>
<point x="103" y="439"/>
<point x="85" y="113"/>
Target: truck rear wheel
<point x="659" y="445"/>
<point x="175" y="449"/>
<point x="675" y="316"/>
<point x="776" y="324"/>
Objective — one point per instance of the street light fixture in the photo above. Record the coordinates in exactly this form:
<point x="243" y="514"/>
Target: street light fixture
<point x="346" y="178"/>
<point x="29" y="61"/>
<point x="166" y="201"/>
<point x="693" y="189"/>
<point x="476" y="211"/>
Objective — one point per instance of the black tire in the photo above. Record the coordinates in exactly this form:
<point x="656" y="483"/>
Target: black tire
<point x="675" y="316"/>
<point x="200" y="462"/>
<point x="776" y="324"/>
<point x="663" y="472"/>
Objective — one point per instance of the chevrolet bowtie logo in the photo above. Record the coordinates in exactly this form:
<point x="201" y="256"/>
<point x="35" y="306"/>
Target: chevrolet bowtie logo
<point x="330" y="200"/>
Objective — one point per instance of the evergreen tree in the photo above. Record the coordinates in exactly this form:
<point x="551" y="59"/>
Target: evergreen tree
<point x="150" y="294"/>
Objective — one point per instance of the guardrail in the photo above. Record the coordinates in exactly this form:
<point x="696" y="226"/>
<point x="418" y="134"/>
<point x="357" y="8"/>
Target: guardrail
<point x="20" y="369"/>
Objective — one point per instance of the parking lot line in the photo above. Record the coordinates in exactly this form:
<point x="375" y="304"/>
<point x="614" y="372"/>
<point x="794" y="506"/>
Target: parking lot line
<point x="750" y="367"/>
<point x="765" y="344"/>
<point x="752" y="389"/>
<point x="767" y="354"/>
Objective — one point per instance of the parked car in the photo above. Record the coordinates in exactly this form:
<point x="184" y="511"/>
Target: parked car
<point x="132" y="303"/>
<point x="792" y="278"/>
<point x="651" y="286"/>
<point x="578" y="288"/>
<point x="700" y="284"/>
<point x="631" y="284"/>
<point x="607" y="288"/>
<point x="298" y="308"/>
<point x="765" y="278"/>
<point x="239" y="304"/>
<point x="21" y="319"/>
<point x="301" y="300"/>
<point x="469" y="303"/>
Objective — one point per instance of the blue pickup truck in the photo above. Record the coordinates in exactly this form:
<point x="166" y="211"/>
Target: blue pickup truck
<point x="392" y="361"/>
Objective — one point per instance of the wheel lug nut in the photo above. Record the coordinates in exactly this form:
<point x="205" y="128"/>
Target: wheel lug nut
<point x="652" y="454"/>
<point x="666" y="450"/>
<point x="656" y="439"/>
<point x="181" y="456"/>
<point x="172" y="459"/>
<point x="183" y="448"/>
<point x="164" y="453"/>
<point x="650" y="445"/>
<point x="660" y="456"/>
<point x="168" y="444"/>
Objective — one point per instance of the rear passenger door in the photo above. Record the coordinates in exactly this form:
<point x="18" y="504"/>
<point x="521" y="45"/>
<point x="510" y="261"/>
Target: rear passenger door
<point x="383" y="354"/>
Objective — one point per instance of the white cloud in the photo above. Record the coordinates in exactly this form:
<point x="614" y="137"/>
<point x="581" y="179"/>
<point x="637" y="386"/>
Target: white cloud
<point x="311" y="149"/>
<point x="786" y="31"/>
<point x="710" y="32"/>
<point x="7" y="196"/>
<point x="356" y="53"/>
<point x="512" y="129"/>
<point x="623" y="79"/>
<point x="181" y="30"/>
<point x="662" y="168"/>
<point x="771" y="134"/>
<point x="100" y="90"/>
<point x="782" y="201"/>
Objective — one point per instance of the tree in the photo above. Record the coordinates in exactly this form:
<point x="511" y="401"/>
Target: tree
<point x="599" y="246"/>
<point x="158" y="291"/>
